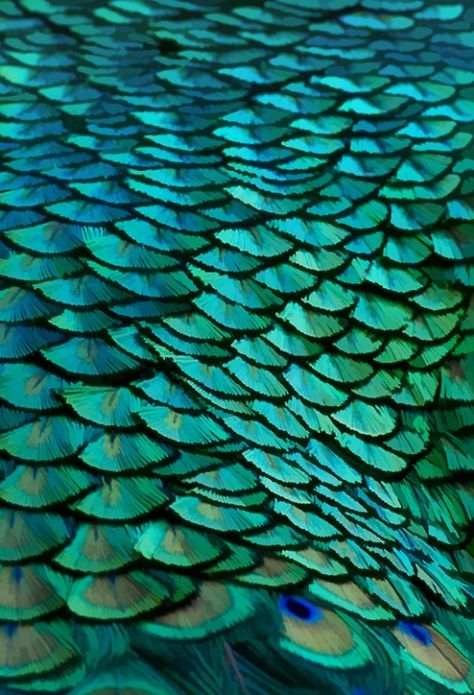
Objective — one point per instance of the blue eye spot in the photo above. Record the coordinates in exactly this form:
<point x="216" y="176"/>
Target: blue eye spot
<point x="417" y="632"/>
<point x="11" y="628"/>
<point x="17" y="573"/>
<point x="299" y="608"/>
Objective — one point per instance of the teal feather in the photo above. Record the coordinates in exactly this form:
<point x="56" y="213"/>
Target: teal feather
<point x="236" y="347"/>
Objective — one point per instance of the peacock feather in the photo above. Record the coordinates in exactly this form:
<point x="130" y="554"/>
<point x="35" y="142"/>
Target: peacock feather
<point x="236" y="347"/>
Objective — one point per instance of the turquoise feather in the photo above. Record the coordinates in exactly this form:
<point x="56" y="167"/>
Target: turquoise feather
<point x="236" y="347"/>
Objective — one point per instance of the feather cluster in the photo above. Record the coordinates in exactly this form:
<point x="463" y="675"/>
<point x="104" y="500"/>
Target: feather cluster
<point x="236" y="347"/>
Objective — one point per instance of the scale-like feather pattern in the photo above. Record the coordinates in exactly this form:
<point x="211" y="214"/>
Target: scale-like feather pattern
<point x="236" y="347"/>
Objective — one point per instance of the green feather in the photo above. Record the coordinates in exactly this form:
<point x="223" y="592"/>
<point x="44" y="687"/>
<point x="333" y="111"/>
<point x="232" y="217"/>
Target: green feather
<point x="215" y="608"/>
<point x="236" y="338"/>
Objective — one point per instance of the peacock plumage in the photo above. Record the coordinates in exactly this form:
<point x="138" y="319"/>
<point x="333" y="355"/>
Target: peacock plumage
<point x="236" y="347"/>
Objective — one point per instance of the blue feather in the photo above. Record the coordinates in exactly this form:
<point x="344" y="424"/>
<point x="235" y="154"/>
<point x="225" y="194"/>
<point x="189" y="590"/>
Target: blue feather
<point x="299" y="608"/>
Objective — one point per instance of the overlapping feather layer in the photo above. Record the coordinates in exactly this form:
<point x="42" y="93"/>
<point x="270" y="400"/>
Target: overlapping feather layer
<point x="236" y="346"/>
